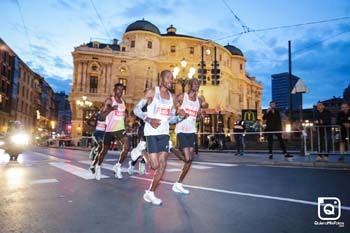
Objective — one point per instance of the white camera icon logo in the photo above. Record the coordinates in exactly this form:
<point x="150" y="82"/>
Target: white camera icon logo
<point x="329" y="208"/>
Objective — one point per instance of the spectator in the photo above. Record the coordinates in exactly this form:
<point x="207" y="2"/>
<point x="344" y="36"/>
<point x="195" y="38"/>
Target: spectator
<point x="343" y="120"/>
<point x="273" y="123"/>
<point x="239" y="130"/>
<point x="322" y="121"/>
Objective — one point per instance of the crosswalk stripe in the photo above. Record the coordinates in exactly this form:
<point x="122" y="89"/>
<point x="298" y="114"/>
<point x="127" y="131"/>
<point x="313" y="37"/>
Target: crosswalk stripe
<point x="43" y="181"/>
<point x="106" y="166"/>
<point x="173" y="170"/>
<point x="78" y="171"/>
<point x="217" y="164"/>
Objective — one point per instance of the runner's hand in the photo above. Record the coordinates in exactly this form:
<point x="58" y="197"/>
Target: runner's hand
<point x="182" y="114"/>
<point x="155" y="123"/>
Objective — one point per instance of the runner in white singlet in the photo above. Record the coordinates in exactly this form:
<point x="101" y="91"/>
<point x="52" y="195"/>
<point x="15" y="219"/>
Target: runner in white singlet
<point x="160" y="112"/>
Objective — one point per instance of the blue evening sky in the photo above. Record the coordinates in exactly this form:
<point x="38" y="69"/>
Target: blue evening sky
<point x="320" y="52"/>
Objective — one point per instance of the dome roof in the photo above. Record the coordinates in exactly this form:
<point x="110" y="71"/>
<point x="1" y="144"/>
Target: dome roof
<point x="142" y="25"/>
<point x="234" y="50"/>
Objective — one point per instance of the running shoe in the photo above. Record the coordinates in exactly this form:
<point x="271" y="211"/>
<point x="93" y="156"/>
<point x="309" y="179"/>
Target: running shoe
<point x="117" y="171"/>
<point x="92" y="169"/>
<point x="98" y="173"/>
<point x="137" y="151"/>
<point x="151" y="198"/>
<point x="178" y="188"/>
<point x="142" y="168"/>
<point x="131" y="168"/>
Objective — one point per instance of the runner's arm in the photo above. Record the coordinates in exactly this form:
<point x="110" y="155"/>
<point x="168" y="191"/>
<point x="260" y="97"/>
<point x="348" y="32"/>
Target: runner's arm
<point x="147" y="99"/>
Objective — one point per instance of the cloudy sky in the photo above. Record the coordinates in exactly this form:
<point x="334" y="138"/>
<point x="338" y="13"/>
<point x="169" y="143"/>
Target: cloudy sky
<point x="44" y="33"/>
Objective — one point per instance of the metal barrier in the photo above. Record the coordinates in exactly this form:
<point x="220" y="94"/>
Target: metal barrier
<point x="310" y="140"/>
<point x="324" y="139"/>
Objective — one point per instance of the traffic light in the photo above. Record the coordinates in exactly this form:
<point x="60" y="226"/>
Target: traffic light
<point x="215" y="74"/>
<point x="202" y="76"/>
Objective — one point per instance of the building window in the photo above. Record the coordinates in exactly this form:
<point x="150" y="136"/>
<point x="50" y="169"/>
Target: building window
<point x="173" y="49"/>
<point x="132" y="44"/>
<point x="123" y="49"/>
<point x="95" y="45"/>
<point x="220" y="57"/>
<point x="241" y="66"/>
<point x="149" y="44"/>
<point x="123" y="81"/>
<point x="94" y="68"/>
<point x="191" y="50"/>
<point x="93" y="84"/>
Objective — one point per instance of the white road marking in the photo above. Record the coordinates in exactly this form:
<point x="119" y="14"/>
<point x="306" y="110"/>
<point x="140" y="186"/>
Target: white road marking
<point x="217" y="164"/>
<point x="243" y="194"/>
<point x="105" y="166"/>
<point x="78" y="171"/>
<point x="173" y="170"/>
<point x="44" y="181"/>
<point x="50" y="156"/>
<point x="200" y="167"/>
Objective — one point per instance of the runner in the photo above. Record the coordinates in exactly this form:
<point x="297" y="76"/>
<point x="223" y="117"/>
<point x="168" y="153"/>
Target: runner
<point x="186" y="131"/>
<point x="97" y="136"/>
<point x="160" y="112"/>
<point x="114" y="111"/>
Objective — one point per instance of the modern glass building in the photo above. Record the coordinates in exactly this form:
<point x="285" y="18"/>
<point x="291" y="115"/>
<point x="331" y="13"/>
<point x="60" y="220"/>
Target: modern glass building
<point x="280" y="91"/>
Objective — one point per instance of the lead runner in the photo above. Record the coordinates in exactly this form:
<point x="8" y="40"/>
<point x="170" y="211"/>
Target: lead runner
<point x="160" y="113"/>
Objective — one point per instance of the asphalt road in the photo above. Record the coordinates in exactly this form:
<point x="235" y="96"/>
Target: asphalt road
<point x="51" y="190"/>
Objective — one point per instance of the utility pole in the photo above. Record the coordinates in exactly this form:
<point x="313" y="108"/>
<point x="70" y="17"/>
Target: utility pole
<point x="290" y="81"/>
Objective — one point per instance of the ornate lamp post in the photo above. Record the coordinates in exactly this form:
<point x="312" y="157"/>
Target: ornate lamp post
<point x="183" y="80"/>
<point x="85" y="105"/>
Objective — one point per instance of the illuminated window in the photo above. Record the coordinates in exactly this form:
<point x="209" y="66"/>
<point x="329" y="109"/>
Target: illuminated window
<point x="123" y="81"/>
<point x="93" y="84"/>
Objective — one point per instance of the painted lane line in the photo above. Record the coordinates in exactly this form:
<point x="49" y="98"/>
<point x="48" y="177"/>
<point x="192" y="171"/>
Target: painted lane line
<point x="217" y="164"/>
<point x="43" y="181"/>
<point x="193" y="166"/>
<point x="243" y="194"/>
<point x="172" y="170"/>
<point x="78" y="171"/>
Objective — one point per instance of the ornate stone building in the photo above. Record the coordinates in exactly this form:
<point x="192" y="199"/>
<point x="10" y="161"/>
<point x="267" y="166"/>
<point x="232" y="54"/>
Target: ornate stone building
<point x="139" y="58"/>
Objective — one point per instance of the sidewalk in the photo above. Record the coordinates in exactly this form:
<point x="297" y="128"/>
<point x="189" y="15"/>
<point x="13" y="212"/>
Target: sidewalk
<point x="257" y="158"/>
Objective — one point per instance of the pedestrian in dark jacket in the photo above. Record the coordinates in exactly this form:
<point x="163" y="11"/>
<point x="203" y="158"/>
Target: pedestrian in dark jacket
<point x="322" y="122"/>
<point x="343" y="120"/>
<point x="239" y="130"/>
<point x="273" y="123"/>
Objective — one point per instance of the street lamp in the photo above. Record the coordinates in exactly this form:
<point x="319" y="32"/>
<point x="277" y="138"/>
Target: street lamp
<point x="183" y="80"/>
<point x="85" y="105"/>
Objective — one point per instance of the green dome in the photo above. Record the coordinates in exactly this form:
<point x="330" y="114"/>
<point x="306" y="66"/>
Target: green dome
<point x="142" y="25"/>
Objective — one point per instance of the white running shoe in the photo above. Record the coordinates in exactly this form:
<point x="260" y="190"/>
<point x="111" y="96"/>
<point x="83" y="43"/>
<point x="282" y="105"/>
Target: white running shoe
<point x="137" y="151"/>
<point x="170" y="145"/>
<point x="118" y="171"/>
<point x="178" y="188"/>
<point x="131" y="168"/>
<point x="151" y="198"/>
<point x="98" y="172"/>
<point x="135" y="154"/>
<point x="142" y="168"/>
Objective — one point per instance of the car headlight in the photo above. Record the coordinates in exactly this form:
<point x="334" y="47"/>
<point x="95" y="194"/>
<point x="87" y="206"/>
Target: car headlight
<point x="20" y="139"/>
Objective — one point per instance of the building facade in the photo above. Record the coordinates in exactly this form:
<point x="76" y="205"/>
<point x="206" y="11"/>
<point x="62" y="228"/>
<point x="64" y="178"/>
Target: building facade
<point x="21" y="92"/>
<point x="280" y="91"/>
<point x="143" y="53"/>
<point x="64" y="114"/>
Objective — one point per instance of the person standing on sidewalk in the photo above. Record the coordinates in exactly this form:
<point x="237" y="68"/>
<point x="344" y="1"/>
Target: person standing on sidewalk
<point x="115" y="129"/>
<point x="160" y="112"/>
<point x="273" y="123"/>
<point x="343" y="120"/>
<point x="239" y="131"/>
<point x="322" y="122"/>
